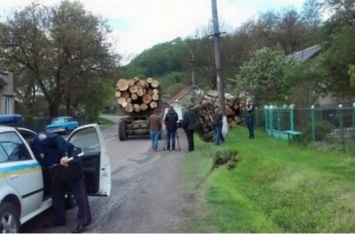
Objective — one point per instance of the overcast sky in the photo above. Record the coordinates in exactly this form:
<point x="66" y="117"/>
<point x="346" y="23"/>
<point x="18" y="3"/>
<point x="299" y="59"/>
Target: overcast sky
<point x="141" y="24"/>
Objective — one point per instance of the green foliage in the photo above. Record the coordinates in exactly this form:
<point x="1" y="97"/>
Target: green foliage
<point x="161" y="59"/>
<point x="351" y="73"/>
<point x="338" y="32"/>
<point x="263" y="76"/>
<point x="170" y="81"/>
<point x="131" y="70"/>
<point x="322" y="129"/>
<point x="174" y="89"/>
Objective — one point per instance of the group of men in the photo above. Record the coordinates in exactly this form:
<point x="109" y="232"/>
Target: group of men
<point x="171" y="122"/>
<point x="189" y="125"/>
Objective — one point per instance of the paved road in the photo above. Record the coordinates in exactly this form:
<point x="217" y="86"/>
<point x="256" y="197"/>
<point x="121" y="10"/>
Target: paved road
<point x="146" y="191"/>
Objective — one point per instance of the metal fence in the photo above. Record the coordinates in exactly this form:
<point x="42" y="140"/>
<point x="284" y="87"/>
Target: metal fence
<point x="332" y="126"/>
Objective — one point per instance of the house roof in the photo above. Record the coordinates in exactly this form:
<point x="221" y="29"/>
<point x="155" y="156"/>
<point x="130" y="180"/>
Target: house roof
<point x="307" y="53"/>
<point x="182" y="93"/>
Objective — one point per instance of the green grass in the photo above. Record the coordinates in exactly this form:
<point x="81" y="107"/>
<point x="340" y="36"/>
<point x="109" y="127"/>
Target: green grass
<point x="276" y="187"/>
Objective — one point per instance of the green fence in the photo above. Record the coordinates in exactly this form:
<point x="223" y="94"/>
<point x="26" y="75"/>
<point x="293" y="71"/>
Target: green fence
<point x="330" y="125"/>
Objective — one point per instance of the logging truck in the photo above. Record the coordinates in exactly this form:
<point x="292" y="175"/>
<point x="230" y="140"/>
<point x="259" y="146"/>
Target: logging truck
<point x="136" y="101"/>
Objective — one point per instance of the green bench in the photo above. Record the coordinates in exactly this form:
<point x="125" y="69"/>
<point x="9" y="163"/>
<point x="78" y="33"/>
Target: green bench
<point x="293" y="134"/>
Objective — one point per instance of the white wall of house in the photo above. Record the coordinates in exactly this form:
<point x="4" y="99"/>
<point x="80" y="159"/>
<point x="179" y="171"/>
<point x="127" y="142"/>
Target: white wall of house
<point x="7" y="97"/>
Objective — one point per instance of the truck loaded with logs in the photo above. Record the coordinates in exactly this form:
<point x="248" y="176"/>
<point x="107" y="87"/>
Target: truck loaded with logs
<point x="136" y="99"/>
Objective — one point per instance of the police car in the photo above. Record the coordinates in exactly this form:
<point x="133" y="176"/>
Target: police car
<point x="24" y="192"/>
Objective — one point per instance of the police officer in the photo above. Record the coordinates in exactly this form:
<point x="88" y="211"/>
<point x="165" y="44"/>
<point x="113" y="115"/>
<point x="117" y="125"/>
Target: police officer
<point x="51" y="149"/>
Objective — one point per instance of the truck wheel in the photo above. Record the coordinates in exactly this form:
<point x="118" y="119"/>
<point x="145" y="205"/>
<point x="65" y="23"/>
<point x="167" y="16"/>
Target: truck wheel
<point x="122" y="131"/>
<point x="9" y="219"/>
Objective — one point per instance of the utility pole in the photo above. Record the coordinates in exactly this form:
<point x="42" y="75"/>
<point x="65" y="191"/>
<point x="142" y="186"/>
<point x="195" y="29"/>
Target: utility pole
<point x="192" y="63"/>
<point x="217" y="56"/>
<point x="216" y="34"/>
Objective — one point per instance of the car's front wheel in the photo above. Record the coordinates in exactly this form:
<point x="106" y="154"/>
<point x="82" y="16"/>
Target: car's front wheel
<point x="9" y="219"/>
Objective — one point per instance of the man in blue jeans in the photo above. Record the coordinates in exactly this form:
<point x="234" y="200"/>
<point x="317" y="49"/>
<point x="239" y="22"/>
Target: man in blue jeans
<point x="218" y="123"/>
<point x="170" y="122"/>
<point x="154" y="124"/>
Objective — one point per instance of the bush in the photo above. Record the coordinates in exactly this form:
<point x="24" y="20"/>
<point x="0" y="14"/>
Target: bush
<point x="322" y="130"/>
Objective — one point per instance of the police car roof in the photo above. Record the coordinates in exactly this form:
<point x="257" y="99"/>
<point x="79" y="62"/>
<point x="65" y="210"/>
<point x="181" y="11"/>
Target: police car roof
<point x="4" y="128"/>
<point x="10" y="119"/>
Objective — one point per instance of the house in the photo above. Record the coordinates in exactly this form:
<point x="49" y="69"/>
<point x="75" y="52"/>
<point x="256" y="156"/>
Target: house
<point x="185" y="97"/>
<point x="7" y="96"/>
<point x="309" y="53"/>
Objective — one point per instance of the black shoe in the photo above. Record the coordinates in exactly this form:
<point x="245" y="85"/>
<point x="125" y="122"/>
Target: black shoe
<point x="79" y="228"/>
<point x="51" y="224"/>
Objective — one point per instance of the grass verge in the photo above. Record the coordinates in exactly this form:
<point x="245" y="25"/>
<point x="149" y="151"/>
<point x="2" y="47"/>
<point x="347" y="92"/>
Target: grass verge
<point x="105" y="123"/>
<point x="275" y="187"/>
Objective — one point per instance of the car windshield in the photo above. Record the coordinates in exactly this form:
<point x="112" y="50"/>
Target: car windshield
<point x="58" y="120"/>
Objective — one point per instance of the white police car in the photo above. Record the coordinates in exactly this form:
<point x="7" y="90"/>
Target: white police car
<point x="23" y="190"/>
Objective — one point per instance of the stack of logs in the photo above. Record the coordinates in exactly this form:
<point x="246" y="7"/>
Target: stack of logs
<point x="137" y="95"/>
<point x="205" y="109"/>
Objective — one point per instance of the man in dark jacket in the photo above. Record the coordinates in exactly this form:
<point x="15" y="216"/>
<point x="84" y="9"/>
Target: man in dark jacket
<point x="189" y="125"/>
<point x="250" y="115"/>
<point x="53" y="150"/>
<point x="170" y="121"/>
<point x="218" y="123"/>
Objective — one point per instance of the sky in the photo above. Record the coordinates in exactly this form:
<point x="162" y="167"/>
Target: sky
<point x="140" y="24"/>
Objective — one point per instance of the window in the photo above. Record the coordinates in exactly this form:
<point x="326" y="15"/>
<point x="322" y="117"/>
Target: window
<point x="9" y="105"/>
<point x="87" y="139"/>
<point x="12" y="148"/>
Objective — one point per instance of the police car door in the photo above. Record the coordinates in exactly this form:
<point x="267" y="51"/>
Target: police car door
<point x="96" y="163"/>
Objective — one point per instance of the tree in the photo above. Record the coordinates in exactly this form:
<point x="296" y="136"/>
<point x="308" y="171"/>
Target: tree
<point x="60" y="51"/>
<point x="351" y="73"/>
<point x="338" y="34"/>
<point x="311" y="13"/>
<point x="262" y="77"/>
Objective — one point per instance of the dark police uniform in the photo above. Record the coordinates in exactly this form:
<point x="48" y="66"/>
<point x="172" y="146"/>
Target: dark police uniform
<point x="49" y="148"/>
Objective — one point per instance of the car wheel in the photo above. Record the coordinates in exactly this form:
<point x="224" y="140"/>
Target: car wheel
<point x="9" y="218"/>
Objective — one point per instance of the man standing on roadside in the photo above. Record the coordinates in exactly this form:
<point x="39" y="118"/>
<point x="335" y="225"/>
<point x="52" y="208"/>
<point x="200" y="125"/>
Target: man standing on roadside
<point x="154" y="125"/>
<point x="218" y="123"/>
<point x="170" y="122"/>
<point x="189" y="125"/>
<point x="250" y="118"/>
